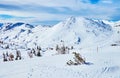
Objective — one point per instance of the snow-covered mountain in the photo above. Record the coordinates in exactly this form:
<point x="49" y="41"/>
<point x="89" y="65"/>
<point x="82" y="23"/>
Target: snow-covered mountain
<point x="11" y="26"/>
<point x="13" y="32"/>
<point x="77" y="30"/>
<point x="97" y="41"/>
<point x="73" y="31"/>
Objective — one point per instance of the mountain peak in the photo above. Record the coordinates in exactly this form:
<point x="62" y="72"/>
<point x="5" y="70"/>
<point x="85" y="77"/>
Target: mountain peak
<point x="85" y="22"/>
<point x="79" y="30"/>
<point x="9" y="26"/>
<point x="73" y="19"/>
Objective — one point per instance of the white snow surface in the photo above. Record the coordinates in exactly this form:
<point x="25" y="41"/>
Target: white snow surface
<point x="91" y="38"/>
<point x="104" y="64"/>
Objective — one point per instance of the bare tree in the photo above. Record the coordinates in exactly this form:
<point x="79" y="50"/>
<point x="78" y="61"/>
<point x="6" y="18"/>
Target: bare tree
<point x="4" y="57"/>
<point x="11" y="57"/>
<point x="38" y="51"/>
<point x="77" y="60"/>
<point x="18" y="55"/>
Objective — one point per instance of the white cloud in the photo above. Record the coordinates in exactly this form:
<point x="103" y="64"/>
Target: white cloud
<point x="104" y="9"/>
<point x="107" y="1"/>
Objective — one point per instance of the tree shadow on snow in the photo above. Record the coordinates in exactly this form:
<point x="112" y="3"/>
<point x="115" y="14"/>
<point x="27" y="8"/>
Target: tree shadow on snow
<point x="88" y="63"/>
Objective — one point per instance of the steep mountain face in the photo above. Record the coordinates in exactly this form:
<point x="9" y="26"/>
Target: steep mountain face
<point x="78" y="30"/>
<point x="116" y="27"/>
<point x="72" y="31"/>
<point x="20" y="33"/>
<point x="15" y="31"/>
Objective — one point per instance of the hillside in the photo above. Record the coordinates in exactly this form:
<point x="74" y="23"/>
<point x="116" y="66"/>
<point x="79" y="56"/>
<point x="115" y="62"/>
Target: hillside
<point x="73" y="31"/>
<point x="78" y="31"/>
<point x="104" y="64"/>
<point x="97" y="42"/>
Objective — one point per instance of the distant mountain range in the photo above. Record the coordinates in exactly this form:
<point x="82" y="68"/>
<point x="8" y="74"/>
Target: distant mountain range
<point x="73" y="31"/>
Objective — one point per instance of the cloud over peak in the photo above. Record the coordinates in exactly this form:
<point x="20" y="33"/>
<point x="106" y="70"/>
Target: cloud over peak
<point x="57" y="10"/>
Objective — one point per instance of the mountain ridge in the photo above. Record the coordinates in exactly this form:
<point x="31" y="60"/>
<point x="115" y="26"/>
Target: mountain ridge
<point x="73" y="31"/>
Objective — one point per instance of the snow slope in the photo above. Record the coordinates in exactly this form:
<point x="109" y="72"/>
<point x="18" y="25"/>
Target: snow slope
<point x="116" y="28"/>
<point x="73" y="31"/>
<point x="91" y="38"/>
<point x="77" y="31"/>
<point x="104" y="64"/>
<point x="20" y="33"/>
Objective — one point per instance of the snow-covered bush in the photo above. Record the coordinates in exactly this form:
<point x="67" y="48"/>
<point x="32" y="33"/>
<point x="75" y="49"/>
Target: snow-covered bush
<point x="62" y="49"/>
<point x="78" y="60"/>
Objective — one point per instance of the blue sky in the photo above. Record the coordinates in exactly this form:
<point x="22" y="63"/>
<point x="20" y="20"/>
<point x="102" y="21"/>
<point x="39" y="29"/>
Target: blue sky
<point x="53" y="11"/>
